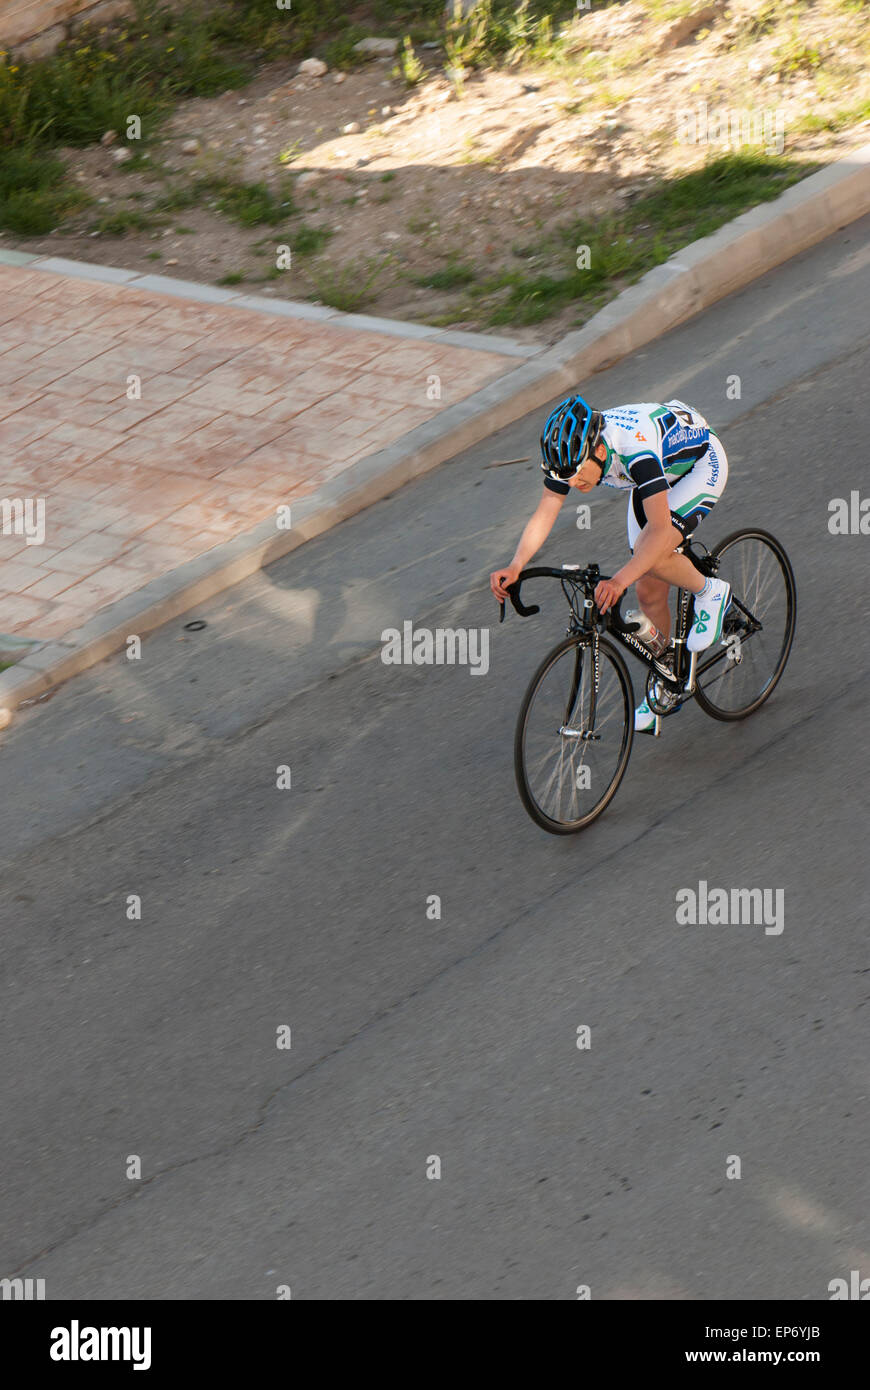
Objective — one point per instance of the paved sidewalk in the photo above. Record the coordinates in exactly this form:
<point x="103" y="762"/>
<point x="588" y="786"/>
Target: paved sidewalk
<point x="241" y="410"/>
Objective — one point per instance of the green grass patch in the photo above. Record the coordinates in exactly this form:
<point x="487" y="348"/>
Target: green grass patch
<point x="251" y="204"/>
<point x="409" y="66"/>
<point x="625" y="245"/>
<point x="248" y="204"/>
<point x="794" y="54"/>
<point x="307" y="241"/>
<point x="291" y="153"/>
<point x="339" y="52"/>
<point x="840" y="119"/>
<point x="182" y="197"/>
<point x="121" y="221"/>
<point x="73" y="97"/>
<point x="453" y="276"/>
<point x="350" y="287"/>
<point x="509" y="31"/>
<point x="34" y="197"/>
<point x="665" y="11"/>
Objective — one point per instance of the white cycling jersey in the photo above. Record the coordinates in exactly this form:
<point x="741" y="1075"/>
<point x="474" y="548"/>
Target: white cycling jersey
<point x="649" y="446"/>
<point x="654" y="448"/>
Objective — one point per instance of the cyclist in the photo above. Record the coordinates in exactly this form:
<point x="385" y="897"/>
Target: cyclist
<point x="675" y="467"/>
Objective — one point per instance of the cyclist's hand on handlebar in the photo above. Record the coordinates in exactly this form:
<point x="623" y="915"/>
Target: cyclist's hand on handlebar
<point x="609" y="592"/>
<point x="500" y="579"/>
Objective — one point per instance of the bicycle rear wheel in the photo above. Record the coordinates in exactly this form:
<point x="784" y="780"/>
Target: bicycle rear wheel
<point x="737" y="678"/>
<point x="574" y="735"/>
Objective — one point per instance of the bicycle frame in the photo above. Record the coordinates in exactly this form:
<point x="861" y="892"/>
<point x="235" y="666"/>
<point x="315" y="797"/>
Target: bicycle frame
<point x="590" y="620"/>
<point x="579" y="585"/>
<point x="579" y="716"/>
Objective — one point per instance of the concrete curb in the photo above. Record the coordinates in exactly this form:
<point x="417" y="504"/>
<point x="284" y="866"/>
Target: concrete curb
<point x="692" y="280"/>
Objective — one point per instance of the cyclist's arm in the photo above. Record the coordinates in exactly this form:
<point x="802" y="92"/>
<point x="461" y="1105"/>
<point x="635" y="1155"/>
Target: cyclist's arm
<point x="537" y="529"/>
<point x="655" y="541"/>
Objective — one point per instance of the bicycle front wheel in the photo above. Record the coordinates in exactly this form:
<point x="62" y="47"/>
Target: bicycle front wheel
<point x="758" y="629"/>
<point x="574" y="735"/>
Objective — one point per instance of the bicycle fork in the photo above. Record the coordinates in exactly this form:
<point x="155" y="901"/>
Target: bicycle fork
<point x="567" y="728"/>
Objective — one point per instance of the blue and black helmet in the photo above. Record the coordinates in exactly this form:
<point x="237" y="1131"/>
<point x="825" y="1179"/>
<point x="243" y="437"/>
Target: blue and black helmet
<point x="570" y="434"/>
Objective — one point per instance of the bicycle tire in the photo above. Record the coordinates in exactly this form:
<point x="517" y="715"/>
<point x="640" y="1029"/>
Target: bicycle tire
<point x="607" y="651"/>
<point x="707" y="703"/>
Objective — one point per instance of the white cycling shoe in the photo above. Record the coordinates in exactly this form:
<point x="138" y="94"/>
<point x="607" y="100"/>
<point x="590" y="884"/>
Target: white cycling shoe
<point x="709" y="612"/>
<point x="644" y="719"/>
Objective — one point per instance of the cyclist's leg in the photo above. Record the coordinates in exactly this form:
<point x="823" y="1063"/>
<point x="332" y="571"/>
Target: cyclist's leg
<point x="653" y="590"/>
<point x="691" y="499"/>
<point x="653" y="595"/>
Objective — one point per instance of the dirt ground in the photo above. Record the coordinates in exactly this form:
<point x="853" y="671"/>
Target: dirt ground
<point x="416" y="180"/>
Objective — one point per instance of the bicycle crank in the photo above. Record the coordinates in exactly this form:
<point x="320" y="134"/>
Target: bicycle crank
<point x="660" y="700"/>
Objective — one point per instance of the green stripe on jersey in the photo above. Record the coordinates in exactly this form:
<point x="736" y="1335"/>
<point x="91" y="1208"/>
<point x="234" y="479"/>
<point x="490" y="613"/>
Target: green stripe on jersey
<point x="702" y="499"/>
<point x="679" y="470"/>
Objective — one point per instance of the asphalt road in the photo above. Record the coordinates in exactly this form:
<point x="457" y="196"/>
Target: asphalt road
<point x="456" y="1038"/>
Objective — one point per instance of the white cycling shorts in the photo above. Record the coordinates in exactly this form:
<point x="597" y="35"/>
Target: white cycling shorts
<point x="691" y="497"/>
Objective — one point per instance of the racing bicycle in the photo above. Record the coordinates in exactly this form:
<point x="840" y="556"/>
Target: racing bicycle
<point x="576" y="723"/>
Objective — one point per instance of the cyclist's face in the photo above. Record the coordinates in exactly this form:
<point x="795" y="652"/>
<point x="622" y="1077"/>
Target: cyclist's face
<point x="586" y="478"/>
